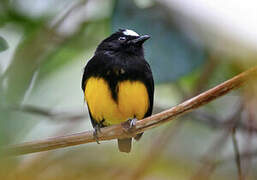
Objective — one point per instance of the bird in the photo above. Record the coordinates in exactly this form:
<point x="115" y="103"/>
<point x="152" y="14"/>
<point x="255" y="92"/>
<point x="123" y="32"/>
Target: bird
<point x="118" y="83"/>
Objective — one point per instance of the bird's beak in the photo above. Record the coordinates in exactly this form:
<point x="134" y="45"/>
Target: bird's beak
<point x="140" y="40"/>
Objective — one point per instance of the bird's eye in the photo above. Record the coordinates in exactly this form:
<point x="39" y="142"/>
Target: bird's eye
<point x="122" y="38"/>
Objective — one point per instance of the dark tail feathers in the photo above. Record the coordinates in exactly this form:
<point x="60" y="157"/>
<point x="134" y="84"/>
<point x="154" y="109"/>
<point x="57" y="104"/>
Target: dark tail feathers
<point x="125" y="144"/>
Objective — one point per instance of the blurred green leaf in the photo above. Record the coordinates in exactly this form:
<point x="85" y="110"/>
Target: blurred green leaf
<point x="19" y="77"/>
<point x="85" y="39"/>
<point x="12" y="15"/>
<point x="170" y="52"/>
<point x="3" y="44"/>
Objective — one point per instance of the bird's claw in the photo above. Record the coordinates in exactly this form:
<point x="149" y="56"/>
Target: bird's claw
<point x="132" y="123"/>
<point x="129" y="124"/>
<point x="97" y="130"/>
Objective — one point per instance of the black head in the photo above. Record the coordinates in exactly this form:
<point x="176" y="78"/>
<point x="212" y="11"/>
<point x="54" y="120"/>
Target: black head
<point x="123" y="41"/>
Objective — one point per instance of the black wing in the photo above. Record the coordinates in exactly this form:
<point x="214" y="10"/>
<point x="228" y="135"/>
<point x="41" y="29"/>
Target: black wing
<point x="147" y="78"/>
<point x="92" y="68"/>
<point x="86" y="74"/>
<point x="139" y="69"/>
<point x="149" y="82"/>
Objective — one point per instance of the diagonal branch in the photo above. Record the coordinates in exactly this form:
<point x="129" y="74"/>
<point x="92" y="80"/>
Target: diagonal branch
<point x="118" y="131"/>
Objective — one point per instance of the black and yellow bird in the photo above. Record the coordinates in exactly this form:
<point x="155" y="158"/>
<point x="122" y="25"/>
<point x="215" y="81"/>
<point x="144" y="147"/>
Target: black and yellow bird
<point x="118" y="83"/>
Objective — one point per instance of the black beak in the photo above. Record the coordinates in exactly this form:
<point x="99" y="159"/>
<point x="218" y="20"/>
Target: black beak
<point x="140" y="40"/>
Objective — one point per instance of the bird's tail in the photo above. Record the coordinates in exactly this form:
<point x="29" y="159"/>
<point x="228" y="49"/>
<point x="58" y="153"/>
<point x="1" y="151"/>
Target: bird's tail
<point x="124" y="145"/>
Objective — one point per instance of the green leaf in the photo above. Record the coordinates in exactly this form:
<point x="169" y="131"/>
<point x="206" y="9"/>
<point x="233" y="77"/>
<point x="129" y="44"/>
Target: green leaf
<point x="3" y="44"/>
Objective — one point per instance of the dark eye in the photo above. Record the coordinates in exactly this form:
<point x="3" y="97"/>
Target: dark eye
<point x="122" y="38"/>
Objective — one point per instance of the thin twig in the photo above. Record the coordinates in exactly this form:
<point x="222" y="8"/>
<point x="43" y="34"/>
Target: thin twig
<point x="209" y="164"/>
<point x="64" y="16"/>
<point x="50" y="114"/>
<point x="250" y="118"/>
<point x="237" y="154"/>
<point x="118" y="131"/>
<point x="245" y="155"/>
<point x="157" y="146"/>
<point x="216" y="122"/>
<point x="208" y="70"/>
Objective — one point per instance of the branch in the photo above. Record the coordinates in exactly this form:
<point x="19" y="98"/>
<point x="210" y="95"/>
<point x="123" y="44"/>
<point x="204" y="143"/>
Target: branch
<point x="118" y="131"/>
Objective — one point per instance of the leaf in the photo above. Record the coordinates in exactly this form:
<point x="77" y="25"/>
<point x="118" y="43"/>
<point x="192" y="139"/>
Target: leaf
<point x="170" y="52"/>
<point x="3" y="44"/>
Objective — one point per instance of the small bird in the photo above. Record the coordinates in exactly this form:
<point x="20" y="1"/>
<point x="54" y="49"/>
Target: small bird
<point x="118" y="84"/>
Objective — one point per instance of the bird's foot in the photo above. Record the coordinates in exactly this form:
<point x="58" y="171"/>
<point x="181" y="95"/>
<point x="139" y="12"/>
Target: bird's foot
<point x="132" y="123"/>
<point x="97" y="130"/>
<point x="129" y="124"/>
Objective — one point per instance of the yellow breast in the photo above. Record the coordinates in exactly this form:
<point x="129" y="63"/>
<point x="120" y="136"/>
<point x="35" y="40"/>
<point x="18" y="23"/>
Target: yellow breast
<point x="132" y="100"/>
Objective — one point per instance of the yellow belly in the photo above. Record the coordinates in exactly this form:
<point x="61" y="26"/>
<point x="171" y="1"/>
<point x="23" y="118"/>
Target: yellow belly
<point x="132" y="100"/>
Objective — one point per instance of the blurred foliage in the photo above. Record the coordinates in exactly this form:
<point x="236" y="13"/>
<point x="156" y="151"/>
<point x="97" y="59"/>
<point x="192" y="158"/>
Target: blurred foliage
<point x="45" y="68"/>
<point x="3" y="44"/>
<point x="85" y="39"/>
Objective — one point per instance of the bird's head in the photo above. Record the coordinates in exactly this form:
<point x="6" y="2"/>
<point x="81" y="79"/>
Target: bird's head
<point x="123" y="41"/>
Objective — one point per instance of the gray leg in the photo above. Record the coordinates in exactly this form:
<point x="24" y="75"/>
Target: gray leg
<point x="97" y="130"/>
